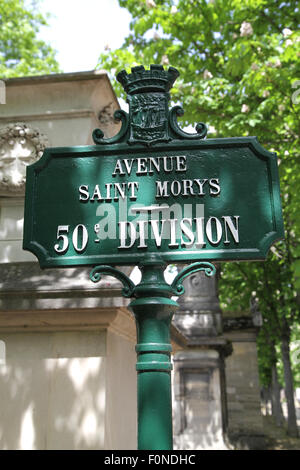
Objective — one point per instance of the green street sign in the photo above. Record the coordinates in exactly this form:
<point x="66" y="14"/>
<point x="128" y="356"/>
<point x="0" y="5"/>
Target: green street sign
<point x="152" y="189"/>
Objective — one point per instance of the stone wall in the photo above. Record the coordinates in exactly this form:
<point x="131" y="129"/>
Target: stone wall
<point x="245" y="428"/>
<point x="198" y="415"/>
<point x="66" y="345"/>
<point x="61" y="390"/>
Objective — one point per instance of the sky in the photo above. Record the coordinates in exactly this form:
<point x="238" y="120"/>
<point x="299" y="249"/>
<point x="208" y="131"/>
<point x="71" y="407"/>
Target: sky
<point x="79" y="30"/>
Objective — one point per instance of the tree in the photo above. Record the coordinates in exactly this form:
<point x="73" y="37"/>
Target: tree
<point x="21" y="51"/>
<point x="268" y="371"/>
<point x="239" y="66"/>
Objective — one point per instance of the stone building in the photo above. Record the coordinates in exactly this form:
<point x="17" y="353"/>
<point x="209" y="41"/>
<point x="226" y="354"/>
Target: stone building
<point x="245" y="427"/>
<point x="216" y="388"/>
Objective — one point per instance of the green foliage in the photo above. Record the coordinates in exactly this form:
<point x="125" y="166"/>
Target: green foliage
<point x="239" y="73"/>
<point x="21" y="52"/>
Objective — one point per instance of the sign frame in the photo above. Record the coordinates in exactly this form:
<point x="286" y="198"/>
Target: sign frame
<point x="120" y="150"/>
<point x="242" y="177"/>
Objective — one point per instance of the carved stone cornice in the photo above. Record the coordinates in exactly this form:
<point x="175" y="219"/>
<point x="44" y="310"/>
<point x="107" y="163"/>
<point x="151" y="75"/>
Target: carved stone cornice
<point x="24" y="286"/>
<point x="20" y="145"/>
<point x="51" y="115"/>
<point x="116" y="320"/>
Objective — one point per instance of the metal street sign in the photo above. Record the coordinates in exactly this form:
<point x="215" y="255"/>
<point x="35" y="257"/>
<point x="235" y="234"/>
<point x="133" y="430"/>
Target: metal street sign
<point x="152" y="189"/>
<point x="152" y="194"/>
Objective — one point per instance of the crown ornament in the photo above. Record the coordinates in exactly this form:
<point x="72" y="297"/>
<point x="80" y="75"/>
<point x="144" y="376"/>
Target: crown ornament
<point x="140" y="80"/>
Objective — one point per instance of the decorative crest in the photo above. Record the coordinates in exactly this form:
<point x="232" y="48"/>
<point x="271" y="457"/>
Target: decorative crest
<point x="149" y="120"/>
<point x="20" y="146"/>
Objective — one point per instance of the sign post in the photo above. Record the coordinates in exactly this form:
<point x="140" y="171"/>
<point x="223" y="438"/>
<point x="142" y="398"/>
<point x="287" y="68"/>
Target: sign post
<point x="152" y="195"/>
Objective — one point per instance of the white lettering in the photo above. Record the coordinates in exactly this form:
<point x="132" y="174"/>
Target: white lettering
<point x="80" y="238"/>
<point x="218" y="230"/>
<point x="175" y="188"/>
<point x="234" y="230"/>
<point x="187" y="187"/>
<point x="141" y="166"/>
<point x="97" y="194"/>
<point x="173" y="243"/>
<point x="84" y="192"/>
<point x="200" y="184"/>
<point x="128" y="165"/>
<point x="156" y="163"/>
<point x="162" y="189"/>
<point x="118" y="169"/>
<point x="175" y="229"/>
<point x="123" y="237"/>
<point x="132" y="186"/>
<point x="187" y="231"/>
<point x="166" y="159"/>
<point x="108" y="188"/>
<point x="119" y="191"/>
<point x="214" y="183"/>
<point x="155" y="228"/>
<point x="200" y="232"/>
<point x="147" y="165"/>
<point x="142" y="232"/>
<point x="181" y="163"/>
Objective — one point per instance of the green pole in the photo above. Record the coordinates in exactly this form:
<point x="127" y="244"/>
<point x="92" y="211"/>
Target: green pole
<point x="153" y="309"/>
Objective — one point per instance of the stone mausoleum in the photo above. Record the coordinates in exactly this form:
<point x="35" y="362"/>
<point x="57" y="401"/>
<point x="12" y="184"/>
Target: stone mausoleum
<point x="216" y="389"/>
<point x="67" y="357"/>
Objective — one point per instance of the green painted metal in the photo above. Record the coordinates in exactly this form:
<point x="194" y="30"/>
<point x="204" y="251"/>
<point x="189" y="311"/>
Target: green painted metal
<point x="128" y="285"/>
<point x="153" y="309"/>
<point x="152" y="189"/>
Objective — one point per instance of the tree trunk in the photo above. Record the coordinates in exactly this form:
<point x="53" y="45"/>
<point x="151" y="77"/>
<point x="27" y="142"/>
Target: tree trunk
<point x="289" y="387"/>
<point x="275" y="397"/>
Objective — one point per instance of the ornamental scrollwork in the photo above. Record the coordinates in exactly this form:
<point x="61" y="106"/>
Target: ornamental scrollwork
<point x="208" y="268"/>
<point x="128" y="286"/>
